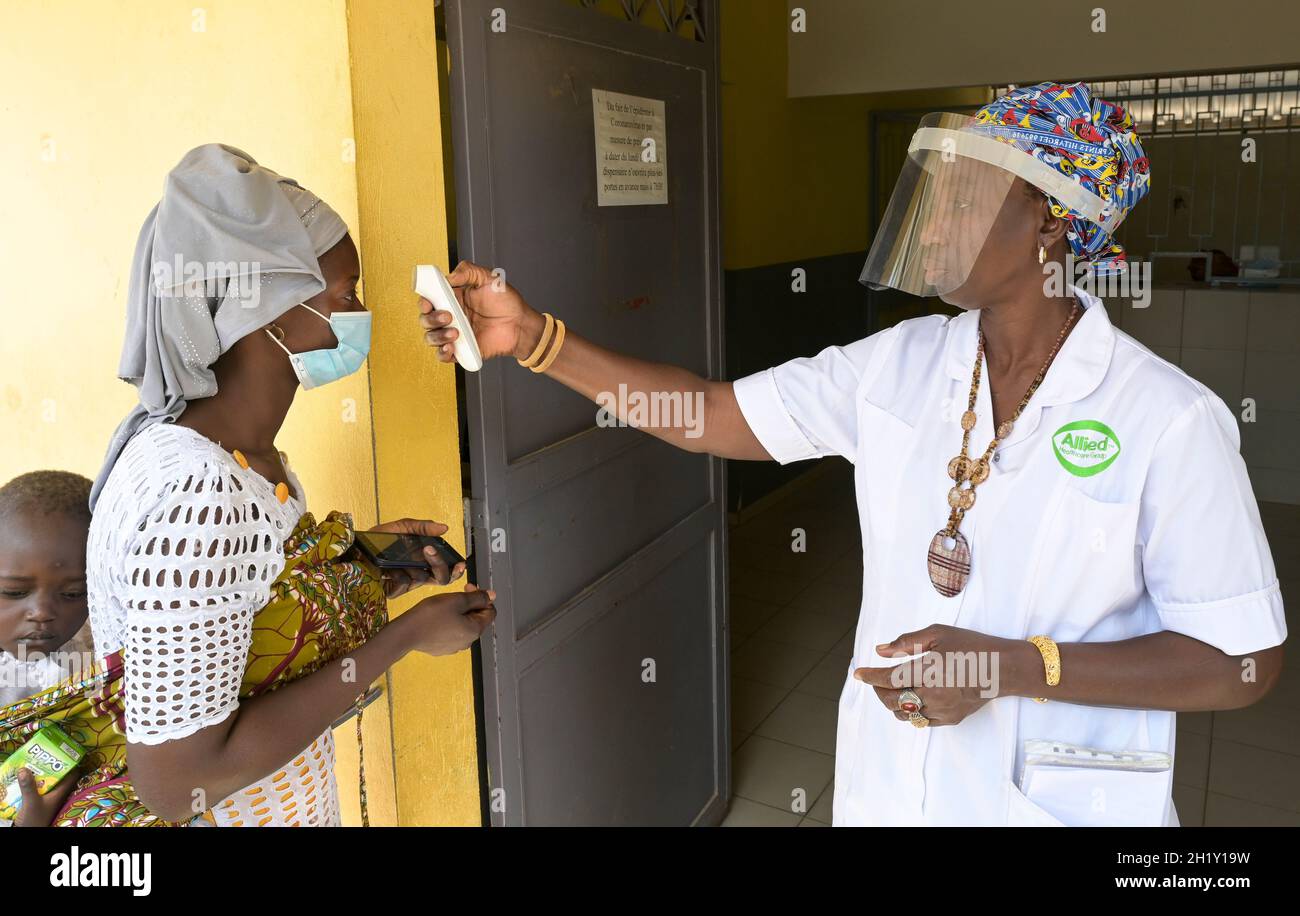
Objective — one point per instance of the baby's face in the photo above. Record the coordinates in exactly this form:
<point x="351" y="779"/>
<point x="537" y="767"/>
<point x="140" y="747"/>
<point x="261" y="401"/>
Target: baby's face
<point x="42" y="581"/>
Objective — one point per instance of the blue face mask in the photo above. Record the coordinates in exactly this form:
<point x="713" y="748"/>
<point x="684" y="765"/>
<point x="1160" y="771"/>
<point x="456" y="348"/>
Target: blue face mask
<point x="320" y="367"/>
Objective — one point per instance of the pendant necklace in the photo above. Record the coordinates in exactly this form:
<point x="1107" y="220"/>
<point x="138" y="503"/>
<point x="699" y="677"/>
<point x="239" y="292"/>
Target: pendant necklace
<point x="948" y="560"/>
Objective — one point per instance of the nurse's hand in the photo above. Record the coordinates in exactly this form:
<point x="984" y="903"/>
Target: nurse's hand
<point x="947" y="703"/>
<point x="504" y="324"/>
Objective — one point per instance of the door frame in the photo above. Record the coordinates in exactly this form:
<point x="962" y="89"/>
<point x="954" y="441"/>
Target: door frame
<point x="579" y="22"/>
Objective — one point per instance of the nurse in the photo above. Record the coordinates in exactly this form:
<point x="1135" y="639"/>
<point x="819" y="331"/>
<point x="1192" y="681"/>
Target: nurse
<point x="1056" y="522"/>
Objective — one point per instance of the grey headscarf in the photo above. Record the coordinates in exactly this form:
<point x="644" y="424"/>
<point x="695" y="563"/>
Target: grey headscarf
<point x="230" y="247"/>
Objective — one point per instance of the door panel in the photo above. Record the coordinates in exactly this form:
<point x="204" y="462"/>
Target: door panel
<point x="614" y="559"/>
<point x="625" y="753"/>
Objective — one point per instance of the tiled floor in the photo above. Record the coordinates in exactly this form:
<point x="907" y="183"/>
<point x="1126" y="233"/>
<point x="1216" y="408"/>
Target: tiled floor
<point x="793" y="616"/>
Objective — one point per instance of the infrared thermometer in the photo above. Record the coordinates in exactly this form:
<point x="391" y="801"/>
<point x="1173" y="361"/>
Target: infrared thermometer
<point x="432" y="285"/>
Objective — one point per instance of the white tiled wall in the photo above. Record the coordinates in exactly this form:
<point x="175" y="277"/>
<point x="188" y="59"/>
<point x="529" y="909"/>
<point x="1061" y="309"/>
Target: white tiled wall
<point x="1241" y="344"/>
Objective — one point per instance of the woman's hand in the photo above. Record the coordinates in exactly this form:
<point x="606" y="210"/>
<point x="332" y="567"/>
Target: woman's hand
<point x="503" y="323"/>
<point x="398" y="582"/>
<point x="39" y="810"/>
<point x="448" y="623"/>
<point x="981" y="669"/>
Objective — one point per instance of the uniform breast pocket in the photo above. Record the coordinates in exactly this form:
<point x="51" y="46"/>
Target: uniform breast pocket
<point x="1085" y="787"/>
<point x="882" y="430"/>
<point x="1087" y="797"/>
<point x="1088" y="563"/>
<point x="884" y="441"/>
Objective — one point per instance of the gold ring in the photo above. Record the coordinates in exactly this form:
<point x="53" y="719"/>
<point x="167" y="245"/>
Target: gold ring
<point x="909" y="696"/>
<point x="918" y="720"/>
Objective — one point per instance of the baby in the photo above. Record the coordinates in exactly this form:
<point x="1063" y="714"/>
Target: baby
<point x="44" y="631"/>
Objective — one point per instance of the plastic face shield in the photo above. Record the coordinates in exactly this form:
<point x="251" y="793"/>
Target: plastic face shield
<point x="942" y="211"/>
<point x="947" y="200"/>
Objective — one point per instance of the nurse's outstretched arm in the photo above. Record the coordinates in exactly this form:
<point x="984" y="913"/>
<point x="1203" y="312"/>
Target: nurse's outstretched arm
<point x="505" y="325"/>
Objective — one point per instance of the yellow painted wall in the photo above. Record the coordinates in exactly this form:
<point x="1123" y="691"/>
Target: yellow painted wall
<point x="103" y="99"/>
<point x="112" y="95"/>
<point x="794" y="171"/>
<point x="397" y="114"/>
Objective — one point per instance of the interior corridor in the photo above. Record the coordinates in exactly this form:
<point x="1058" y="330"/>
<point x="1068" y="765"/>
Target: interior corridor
<point x="792" y="622"/>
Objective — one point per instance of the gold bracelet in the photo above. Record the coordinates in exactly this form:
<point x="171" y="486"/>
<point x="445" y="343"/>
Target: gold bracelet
<point x="1051" y="661"/>
<point x="541" y="343"/>
<point x="555" y="348"/>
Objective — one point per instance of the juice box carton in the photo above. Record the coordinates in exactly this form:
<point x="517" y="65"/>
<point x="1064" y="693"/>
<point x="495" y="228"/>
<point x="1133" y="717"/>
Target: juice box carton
<point x="49" y="754"/>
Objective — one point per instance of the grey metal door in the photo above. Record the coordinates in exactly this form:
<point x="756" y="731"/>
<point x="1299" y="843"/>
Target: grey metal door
<point x="605" y="680"/>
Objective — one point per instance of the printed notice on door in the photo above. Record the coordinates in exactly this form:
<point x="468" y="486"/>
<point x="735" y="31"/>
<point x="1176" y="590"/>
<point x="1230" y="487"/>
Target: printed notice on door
<point x="631" y="150"/>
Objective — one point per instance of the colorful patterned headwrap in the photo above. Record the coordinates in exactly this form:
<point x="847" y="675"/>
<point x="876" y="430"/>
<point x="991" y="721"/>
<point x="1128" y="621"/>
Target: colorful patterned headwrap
<point x="1086" y="139"/>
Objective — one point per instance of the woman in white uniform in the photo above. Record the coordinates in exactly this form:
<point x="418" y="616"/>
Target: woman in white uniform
<point x="1056" y="521"/>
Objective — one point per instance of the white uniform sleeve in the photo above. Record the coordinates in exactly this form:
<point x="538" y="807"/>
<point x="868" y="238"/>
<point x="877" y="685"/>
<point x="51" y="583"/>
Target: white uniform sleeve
<point x="1204" y="554"/>
<point x="806" y="408"/>
<point x="196" y="572"/>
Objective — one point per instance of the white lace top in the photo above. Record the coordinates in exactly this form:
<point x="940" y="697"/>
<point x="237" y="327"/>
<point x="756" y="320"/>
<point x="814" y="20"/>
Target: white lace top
<point x="183" y="548"/>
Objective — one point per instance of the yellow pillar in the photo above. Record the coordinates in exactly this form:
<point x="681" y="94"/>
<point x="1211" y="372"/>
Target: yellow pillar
<point x="402" y="204"/>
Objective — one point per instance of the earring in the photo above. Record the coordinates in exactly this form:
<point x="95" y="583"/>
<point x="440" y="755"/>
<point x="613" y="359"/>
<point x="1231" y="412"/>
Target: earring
<point x="1042" y="254"/>
<point x="276" y="332"/>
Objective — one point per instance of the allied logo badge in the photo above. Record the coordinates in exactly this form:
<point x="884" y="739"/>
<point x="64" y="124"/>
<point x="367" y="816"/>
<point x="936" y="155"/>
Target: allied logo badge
<point x="1085" y="447"/>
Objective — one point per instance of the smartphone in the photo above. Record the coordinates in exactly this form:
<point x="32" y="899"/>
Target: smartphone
<point x="404" y="551"/>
